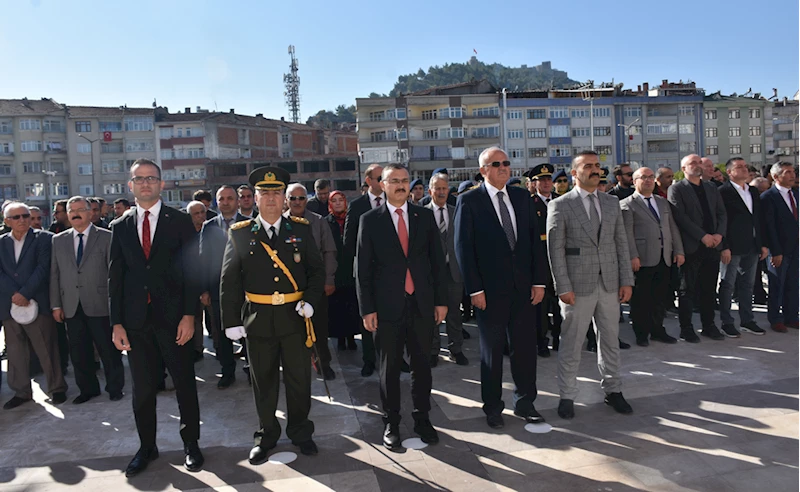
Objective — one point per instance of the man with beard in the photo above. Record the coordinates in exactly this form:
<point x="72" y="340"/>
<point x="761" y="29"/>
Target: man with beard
<point x="624" y="176"/>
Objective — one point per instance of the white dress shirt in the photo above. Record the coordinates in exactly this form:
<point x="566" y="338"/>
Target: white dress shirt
<point x="785" y="195"/>
<point x="744" y="192"/>
<point x="644" y="199"/>
<point x="544" y="198"/>
<point x="154" y="211"/>
<point x="396" y="217"/>
<point x="18" y="245"/>
<point x="372" y="198"/>
<point x="76" y="239"/>
<point x="266" y="225"/>
<point x="492" y="195"/>
<point x="584" y="194"/>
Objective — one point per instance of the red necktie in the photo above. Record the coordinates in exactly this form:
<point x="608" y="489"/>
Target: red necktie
<point x="146" y="240"/>
<point x="794" y="205"/>
<point x="402" y="233"/>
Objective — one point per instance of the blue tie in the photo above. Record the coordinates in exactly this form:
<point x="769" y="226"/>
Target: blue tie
<point x="80" y="248"/>
<point x="650" y="206"/>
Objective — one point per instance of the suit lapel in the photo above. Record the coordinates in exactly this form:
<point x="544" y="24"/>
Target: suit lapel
<point x="413" y="222"/>
<point x="132" y="226"/>
<point x="388" y="225"/>
<point x="162" y="225"/>
<point x="642" y="204"/>
<point x="87" y="247"/>
<point x="8" y="246"/>
<point x="488" y="202"/>
<point x="689" y="193"/>
<point x="576" y="202"/>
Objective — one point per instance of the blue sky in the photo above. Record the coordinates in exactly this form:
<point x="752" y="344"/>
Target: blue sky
<point x="233" y="54"/>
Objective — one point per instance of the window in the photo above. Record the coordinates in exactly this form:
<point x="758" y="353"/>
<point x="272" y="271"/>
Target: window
<point x="455" y="132"/>
<point x="559" y="113"/>
<point x="31" y="146"/>
<point x="688" y="147"/>
<point x="377" y="116"/>
<point x="632" y="111"/>
<point x="59" y="190"/>
<point x="490" y="132"/>
<point x="755" y="113"/>
<point x="711" y="132"/>
<point x="580" y="113"/>
<point x="458" y="153"/>
<point x="755" y="131"/>
<point x="602" y="131"/>
<point x="445" y="113"/>
<point x="490" y="111"/>
<point x="557" y="131"/>
<point x="28" y="124"/>
<point x="173" y="196"/>
<point x="167" y="154"/>
<point x="401" y="114"/>
<point x="661" y="129"/>
<point x="5" y="126"/>
<point x="711" y="114"/>
<point x="560" y="150"/>
<point x="286" y="154"/>
<point x="431" y="134"/>
<point x="83" y="126"/>
<point x="686" y="110"/>
<point x="114" y="188"/>
<point x="686" y="128"/>
<point x="6" y="170"/>
<point x="514" y="115"/>
<point x="85" y="169"/>
<point x="735" y="149"/>
<point x="57" y="166"/>
<point x="86" y="190"/>
<point x="537" y="133"/>
<point x="635" y="148"/>
<point x="115" y="166"/>
<point x="53" y="126"/>
<point x="8" y="191"/>
<point x="755" y="148"/>
<point x="285" y="138"/>
<point x="602" y="112"/>
<point x="516" y="153"/>
<point x="111" y="147"/>
<point x="537" y="114"/>
<point x="734" y="131"/>
<point x="581" y="132"/>
<point x="6" y="147"/>
<point x="514" y="134"/>
<point x="84" y="148"/>
<point x="430" y="114"/>
<point x="635" y="130"/>
<point x="231" y="170"/>
<point x="34" y="190"/>
<point x="110" y="126"/>
<point x="138" y="124"/>
<point x="54" y="147"/>
<point x="603" y="149"/>
<point x="189" y="153"/>
<point x="712" y="150"/>
<point x="165" y="132"/>
<point x="31" y="167"/>
<point x="140" y="145"/>
<point x="537" y="152"/>
<point x="733" y="114"/>
<point x="402" y="134"/>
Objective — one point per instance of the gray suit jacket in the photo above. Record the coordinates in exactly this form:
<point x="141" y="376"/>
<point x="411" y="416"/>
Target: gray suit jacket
<point x="577" y="257"/>
<point x="325" y="243"/>
<point x="689" y="214"/>
<point x="645" y="231"/>
<point x="448" y="242"/>
<point x="86" y="283"/>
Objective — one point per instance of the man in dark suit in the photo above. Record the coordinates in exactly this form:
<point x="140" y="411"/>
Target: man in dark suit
<point x="623" y="174"/>
<point x="702" y="221"/>
<point x="60" y="220"/>
<point x="498" y="245"/>
<point x="24" y="278"/>
<point x="780" y="218"/>
<point x="152" y="310"/>
<point x="319" y="202"/>
<point x="444" y="215"/>
<point x="451" y="198"/>
<point x="213" y="237"/>
<point x="402" y="296"/>
<point x="372" y="199"/>
<point x="742" y="248"/>
<point x="204" y="196"/>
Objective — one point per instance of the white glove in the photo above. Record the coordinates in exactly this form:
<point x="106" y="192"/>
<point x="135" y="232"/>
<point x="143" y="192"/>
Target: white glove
<point x="235" y="333"/>
<point x="304" y="309"/>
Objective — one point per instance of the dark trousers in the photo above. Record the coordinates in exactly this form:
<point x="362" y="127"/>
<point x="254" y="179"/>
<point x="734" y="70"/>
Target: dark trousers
<point x="759" y="294"/>
<point x="698" y="287"/>
<point x="543" y="310"/>
<point x="63" y="346"/>
<point x="649" y="300"/>
<point x="453" y="324"/>
<point x="266" y="356"/>
<point x="222" y="344"/>
<point x="367" y="346"/>
<point x="149" y="347"/>
<point x="782" y="306"/>
<point x="86" y="333"/>
<point x="412" y="332"/>
<point x="320" y="320"/>
<point x="507" y="319"/>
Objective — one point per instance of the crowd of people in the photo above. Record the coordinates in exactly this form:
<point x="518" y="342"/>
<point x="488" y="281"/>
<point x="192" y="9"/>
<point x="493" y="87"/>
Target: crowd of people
<point x="543" y="263"/>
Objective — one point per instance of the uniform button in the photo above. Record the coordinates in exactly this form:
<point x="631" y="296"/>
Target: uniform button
<point x="275" y="265"/>
<point x="148" y="267"/>
<point x="276" y="279"/>
<point x="145" y="287"/>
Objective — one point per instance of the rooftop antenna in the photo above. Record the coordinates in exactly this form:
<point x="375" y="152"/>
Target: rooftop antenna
<point x="292" y="83"/>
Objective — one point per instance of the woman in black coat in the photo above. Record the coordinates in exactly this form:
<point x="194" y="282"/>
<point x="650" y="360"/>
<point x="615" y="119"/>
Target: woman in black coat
<point x="344" y="321"/>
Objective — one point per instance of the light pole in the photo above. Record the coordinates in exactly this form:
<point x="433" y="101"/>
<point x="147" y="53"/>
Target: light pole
<point x="91" y="153"/>
<point x="628" y="138"/>
<point x="47" y="194"/>
<point x="586" y="92"/>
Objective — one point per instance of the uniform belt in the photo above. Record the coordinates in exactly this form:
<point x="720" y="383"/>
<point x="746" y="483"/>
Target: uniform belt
<point x="275" y="299"/>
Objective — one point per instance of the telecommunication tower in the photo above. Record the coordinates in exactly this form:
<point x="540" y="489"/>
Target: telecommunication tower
<point x="292" y="82"/>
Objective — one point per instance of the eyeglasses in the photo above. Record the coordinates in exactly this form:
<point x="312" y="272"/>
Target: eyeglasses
<point x="499" y="163"/>
<point x="19" y="216"/>
<point x="647" y="178"/>
<point x="627" y="174"/>
<point x="145" y="179"/>
<point x="562" y="181"/>
<point x="293" y="198"/>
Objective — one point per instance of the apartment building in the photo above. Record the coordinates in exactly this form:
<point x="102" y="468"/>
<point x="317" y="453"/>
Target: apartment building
<point x="785" y="131"/>
<point x="735" y="126"/>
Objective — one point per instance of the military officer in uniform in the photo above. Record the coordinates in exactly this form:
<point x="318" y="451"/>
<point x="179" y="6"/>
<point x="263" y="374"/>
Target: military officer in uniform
<point x="272" y="276"/>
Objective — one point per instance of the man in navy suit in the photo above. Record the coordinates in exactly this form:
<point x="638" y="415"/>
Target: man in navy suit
<point x="780" y="217"/>
<point x="499" y="251"/>
<point x="213" y="237"/>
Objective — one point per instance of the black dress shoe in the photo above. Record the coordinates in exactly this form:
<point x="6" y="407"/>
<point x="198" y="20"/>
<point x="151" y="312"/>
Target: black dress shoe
<point x="259" y="454"/>
<point x="424" y="429"/>
<point x="308" y="448"/>
<point x="404" y="367"/>
<point x="434" y="360"/>
<point x="531" y="416"/>
<point x="140" y="461"/>
<point x="459" y="358"/>
<point x="619" y="404"/>
<point x="58" y="398"/>
<point x="495" y="421"/>
<point x="543" y="351"/>
<point x="225" y="381"/>
<point x="15" y="402"/>
<point x="464" y="318"/>
<point x="566" y="409"/>
<point x="643" y="342"/>
<point x="689" y="335"/>
<point x="328" y="374"/>
<point x="465" y="334"/>
<point x="116" y="396"/>
<point x="663" y="338"/>
<point x="83" y="398"/>
<point x="391" y="437"/>
<point x="712" y="332"/>
<point x="368" y="369"/>
<point x="194" y="458"/>
<point x="623" y="345"/>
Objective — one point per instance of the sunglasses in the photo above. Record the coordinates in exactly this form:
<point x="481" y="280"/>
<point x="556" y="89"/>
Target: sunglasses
<point x="19" y="216"/>
<point x="499" y="163"/>
<point x="562" y="181"/>
<point x="293" y="198"/>
<point x="627" y="174"/>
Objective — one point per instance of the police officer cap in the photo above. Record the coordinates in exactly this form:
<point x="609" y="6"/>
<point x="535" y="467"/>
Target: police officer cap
<point x="478" y="178"/>
<point x="464" y="186"/>
<point x="560" y="174"/>
<point x="440" y="170"/>
<point x="514" y="182"/>
<point x="415" y="183"/>
<point x="603" y="175"/>
<point x="539" y="171"/>
<point x="269" y="178"/>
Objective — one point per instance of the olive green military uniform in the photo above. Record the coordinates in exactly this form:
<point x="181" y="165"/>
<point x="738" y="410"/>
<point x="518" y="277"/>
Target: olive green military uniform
<point x="276" y="334"/>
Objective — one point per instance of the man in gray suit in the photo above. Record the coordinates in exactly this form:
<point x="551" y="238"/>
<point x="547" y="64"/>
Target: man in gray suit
<point x="655" y="244"/>
<point x="80" y="258"/>
<point x="592" y="274"/>
<point x="439" y="190"/>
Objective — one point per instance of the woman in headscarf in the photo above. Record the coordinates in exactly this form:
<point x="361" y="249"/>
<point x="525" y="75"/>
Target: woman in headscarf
<point x="344" y="321"/>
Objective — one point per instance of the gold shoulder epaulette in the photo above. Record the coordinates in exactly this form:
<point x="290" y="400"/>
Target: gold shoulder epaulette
<point x="299" y="220"/>
<point x="240" y="224"/>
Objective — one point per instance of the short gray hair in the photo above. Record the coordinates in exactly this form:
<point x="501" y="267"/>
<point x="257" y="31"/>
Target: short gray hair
<point x="35" y="209"/>
<point x="74" y="199"/>
<point x="484" y="155"/>
<point x="294" y="186"/>
<point x="8" y="206"/>
<point x="437" y="177"/>
<point x="758" y="180"/>
<point x="775" y="170"/>
<point x="193" y="204"/>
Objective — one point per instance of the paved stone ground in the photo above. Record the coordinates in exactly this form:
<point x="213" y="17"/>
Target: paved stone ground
<point x="717" y="416"/>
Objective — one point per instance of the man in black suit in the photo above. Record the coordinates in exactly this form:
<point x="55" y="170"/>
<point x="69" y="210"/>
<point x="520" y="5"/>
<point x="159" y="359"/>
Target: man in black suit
<point x="742" y="248"/>
<point x="213" y="238"/>
<point x="372" y="199"/>
<point x="152" y="310"/>
<point x="498" y="245"/>
<point x="319" y="202"/>
<point x="402" y="296"/>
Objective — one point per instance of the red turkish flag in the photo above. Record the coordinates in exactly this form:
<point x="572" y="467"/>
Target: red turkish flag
<point x="106" y="136"/>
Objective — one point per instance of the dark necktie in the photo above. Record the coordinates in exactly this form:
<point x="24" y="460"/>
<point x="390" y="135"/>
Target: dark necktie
<point x="146" y="244"/>
<point x="505" y="220"/>
<point x="794" y="205"/>
<point x="80" y="248"/>
<point x="273" y="236"/>
<point x="652" y="209"/>
<point x="377" y="201"/>
<point x="443" y="232"/>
